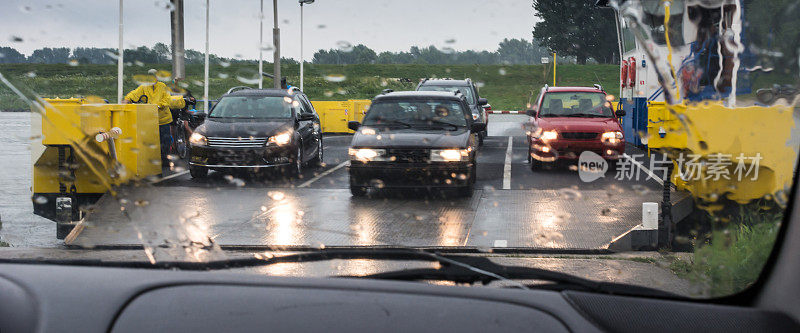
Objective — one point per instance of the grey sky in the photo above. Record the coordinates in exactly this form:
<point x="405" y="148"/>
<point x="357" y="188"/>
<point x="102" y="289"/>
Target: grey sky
<point x="380" y="24"/>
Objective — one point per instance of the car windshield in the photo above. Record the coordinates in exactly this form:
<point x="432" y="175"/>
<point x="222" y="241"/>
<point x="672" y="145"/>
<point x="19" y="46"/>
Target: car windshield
<point x="465" y="90"/>
<point x="644" y="143"/>
<point x="416" y="113"/>
<point x="252" y="107"/>
<point x="566" y="104"/>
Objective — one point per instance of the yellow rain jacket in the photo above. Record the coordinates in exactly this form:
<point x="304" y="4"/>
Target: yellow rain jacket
<point x="156" y="94"/>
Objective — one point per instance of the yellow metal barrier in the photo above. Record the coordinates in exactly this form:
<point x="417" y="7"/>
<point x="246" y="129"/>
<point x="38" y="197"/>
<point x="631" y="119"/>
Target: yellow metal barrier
<point x="334" y="115"/>
<point x="74" y="165"/>
<point x="768" y="134"/>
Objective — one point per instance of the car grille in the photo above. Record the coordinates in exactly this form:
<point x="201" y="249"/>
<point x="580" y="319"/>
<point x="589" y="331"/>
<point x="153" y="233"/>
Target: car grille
<point x="409" y="155"/>
<point x="579" y="135"/>
<point x="250" y="142"/>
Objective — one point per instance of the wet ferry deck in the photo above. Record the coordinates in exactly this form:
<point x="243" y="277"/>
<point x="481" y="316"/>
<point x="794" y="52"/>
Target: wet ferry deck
<point x="514" y="207"/>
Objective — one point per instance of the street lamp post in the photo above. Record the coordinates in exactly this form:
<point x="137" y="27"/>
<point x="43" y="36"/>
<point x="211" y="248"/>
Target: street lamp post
<point x="276" y="39"/>
<point x="261" y="46"/>
<point x="302" y="2"/>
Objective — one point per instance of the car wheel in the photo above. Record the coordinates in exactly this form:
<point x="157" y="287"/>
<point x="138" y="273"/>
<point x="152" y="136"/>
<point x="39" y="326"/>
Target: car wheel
<point x="535" y="164"/>
<point x="297" y="166"/>
<point x="358" y="191"/>
<point x="181" y="148"/>
<point x="198" y="171"/>
<point x="466" y="191"/>
<point x="317" y="161"/>
<point x="481" y="136"/>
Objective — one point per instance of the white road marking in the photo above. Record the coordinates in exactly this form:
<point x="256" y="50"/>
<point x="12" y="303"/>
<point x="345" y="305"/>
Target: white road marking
<point x="327" y="172"/>
<point x="507" y="166"/>
<point x="174" y="175"/>
<point x="500" y="243"/>
<point x="643" y="168"/>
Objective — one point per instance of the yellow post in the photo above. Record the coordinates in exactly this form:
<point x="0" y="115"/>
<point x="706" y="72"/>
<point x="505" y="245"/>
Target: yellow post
<point x="554" y="69"/>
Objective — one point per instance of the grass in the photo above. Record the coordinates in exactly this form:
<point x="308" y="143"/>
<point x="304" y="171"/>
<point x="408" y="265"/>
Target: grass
<point x="508" y="87"/>
<point x="735" y="256"/>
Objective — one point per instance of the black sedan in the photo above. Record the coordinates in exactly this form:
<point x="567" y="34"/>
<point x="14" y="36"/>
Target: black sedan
<point x="255" y="129"/>
<point x="415" y="140"/>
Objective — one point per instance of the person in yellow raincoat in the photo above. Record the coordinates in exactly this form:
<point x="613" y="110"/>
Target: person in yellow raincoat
<point x="158" y="94"/>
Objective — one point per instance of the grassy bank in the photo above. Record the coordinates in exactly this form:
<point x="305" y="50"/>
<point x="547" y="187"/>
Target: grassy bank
<point x="736" y="254"/>
<point x="506" y="86"/>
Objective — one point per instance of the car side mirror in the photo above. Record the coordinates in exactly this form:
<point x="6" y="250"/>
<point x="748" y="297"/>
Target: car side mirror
<point x="483" y="101"/>
<point x="353" y="125"/>
<point x="478" y="127"/>
<point x="531" y="112"/>
<point x="619" y="113"/>
<point x="305" y="117"/>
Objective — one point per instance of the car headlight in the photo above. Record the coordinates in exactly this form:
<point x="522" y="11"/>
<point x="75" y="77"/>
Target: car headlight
<point x="549" y="135"/>
<point x="367" y="154"/>
<point x="280" y="139"/>
<point x="450" y="155"/>
<point x="474" y="117"/>
<point x="198" y="139"/>
<point x="611" y="137"/>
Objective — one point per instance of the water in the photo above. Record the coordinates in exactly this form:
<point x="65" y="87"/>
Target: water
<point x="20" y="227"/>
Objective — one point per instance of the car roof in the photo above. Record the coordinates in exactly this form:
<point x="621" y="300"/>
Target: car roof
<point x="420" y="94"/>
<point x="573" y="89"/>
<point x="261" y="92"/>
<point x="445" y="82"/>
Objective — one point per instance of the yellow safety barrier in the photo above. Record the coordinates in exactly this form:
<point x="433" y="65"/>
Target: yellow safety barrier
<point x="73" y="158"/>
<point x="334" y="115"/>
<point x="766" y="137"/>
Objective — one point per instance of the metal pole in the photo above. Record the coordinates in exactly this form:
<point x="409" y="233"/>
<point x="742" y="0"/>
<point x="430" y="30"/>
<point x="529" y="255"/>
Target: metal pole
<point x="301" y="46"/>
<point x="554" y="69"/>
<point x="276" y="39"/>
<point x="261" y="46"/>
<point x="205" y="80"/>
<point x="119" y="58"/>
<point x="178" y="65"/>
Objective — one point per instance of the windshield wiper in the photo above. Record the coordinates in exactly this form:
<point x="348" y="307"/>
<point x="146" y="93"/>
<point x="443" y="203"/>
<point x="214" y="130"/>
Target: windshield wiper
<point x="385" y="122"/>
<point x="585" y="115"/>
<point x="560" y="281"/>
<point x="443" y="123"/>
<point x="456" y="268"/>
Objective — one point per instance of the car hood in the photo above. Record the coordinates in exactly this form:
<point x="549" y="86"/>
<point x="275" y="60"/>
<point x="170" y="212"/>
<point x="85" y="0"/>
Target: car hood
<point x="232" y="128"/>
<point x="573" y="124"/>
<point x="411" y="138"/>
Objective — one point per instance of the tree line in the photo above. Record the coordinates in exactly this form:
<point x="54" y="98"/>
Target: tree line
<point x="160" y="53"/>
<point x="509" y="51"/>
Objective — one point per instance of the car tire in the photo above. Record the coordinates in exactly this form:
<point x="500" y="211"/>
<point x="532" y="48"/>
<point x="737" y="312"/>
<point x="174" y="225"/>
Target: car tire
<point x="198" y="171"/>
<point x="481" y="136"/>
<point x="535" y="164"/>
<point x="317" y="160"/>
<point x="358" y="191"/>
<point x="296" y="168"/>
<point x="466" y="191"/>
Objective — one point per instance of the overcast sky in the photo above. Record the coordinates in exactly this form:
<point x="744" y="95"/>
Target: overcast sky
<point x="383" y="25"/>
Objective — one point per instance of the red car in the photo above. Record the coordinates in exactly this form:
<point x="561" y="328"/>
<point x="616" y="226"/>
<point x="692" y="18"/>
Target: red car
<point x="566" y="121"/>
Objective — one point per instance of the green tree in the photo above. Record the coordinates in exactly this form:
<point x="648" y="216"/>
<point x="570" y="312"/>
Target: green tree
<point x="577" y="28"/>
<point x="50" y="55"/>
<point x="10" y="55"/>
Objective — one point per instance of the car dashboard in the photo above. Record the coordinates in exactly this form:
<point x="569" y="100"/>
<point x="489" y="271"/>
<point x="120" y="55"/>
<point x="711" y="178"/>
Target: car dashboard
<point x="48" y="298"/>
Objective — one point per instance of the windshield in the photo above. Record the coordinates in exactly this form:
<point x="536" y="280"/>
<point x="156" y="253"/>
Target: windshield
<point x="663" y="154"/>
<point x="251" y="107"/>
<point x="416" y="113"/>
<point x="465" y="90"/>
<point x="566" y="104"/>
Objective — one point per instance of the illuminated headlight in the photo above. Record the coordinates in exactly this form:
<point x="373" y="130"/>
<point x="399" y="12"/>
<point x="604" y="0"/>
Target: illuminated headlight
<point x="280" y="139"/>
<point x="198" y="139"/>
<point x="549" y="135"/>
<point x="474" y="117"/>
<point x="367" y="154"/>
<point x="450" y="155"/>
<point x="611" y="137"/>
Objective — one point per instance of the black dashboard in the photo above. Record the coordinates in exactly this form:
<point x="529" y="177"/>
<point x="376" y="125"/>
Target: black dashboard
<point x="48" y="298"/>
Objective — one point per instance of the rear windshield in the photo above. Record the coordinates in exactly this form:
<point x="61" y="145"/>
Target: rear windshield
<point x="574" y="104"/>
<point x="252" y="107"/>
<point x="416" y="113"/>
<point x="466" y="90"/>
